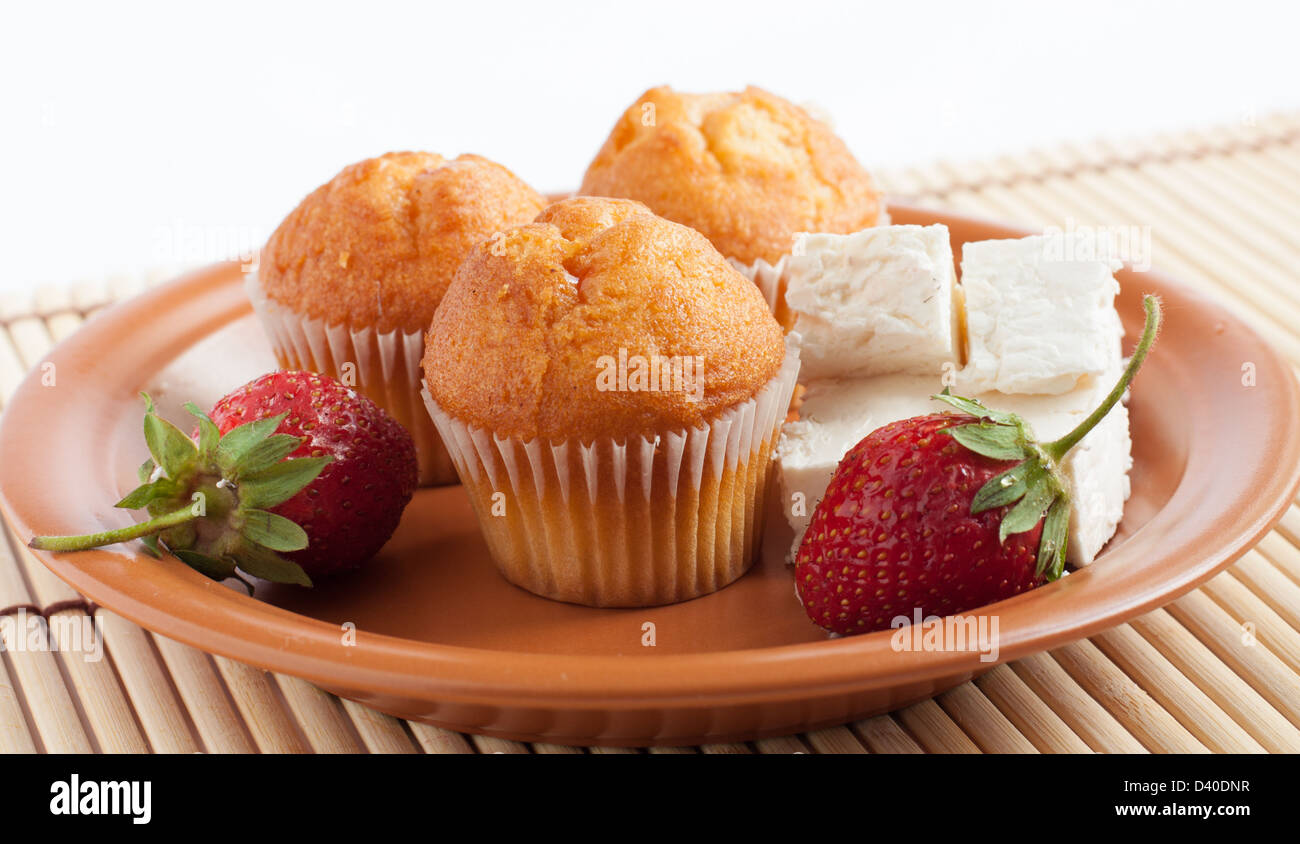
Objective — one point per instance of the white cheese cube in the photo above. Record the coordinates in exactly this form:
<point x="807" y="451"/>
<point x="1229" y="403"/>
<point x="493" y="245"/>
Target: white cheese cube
<point x="874" y="302"/>
<point x="1039" y="317"/>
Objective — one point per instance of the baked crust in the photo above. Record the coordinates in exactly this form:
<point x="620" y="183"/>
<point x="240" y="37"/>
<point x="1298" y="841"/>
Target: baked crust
<point x="749" y="170"/>
<point x="534" y="316"/>
<point x="378" y="244"/>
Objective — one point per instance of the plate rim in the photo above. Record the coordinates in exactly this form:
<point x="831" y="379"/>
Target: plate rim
<point x="283" y="641"/>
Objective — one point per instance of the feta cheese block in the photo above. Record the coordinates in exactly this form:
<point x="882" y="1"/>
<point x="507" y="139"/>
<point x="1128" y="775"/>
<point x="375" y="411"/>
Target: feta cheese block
<point x="1039" y="318"/>
<point x="874" y="302"/>
<point x="836" y="414"/>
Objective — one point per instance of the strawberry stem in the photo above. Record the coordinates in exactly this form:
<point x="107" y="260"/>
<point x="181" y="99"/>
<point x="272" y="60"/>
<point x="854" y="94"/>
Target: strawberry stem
<point x="110" y="537"/>
<point x="1058" y="449"/>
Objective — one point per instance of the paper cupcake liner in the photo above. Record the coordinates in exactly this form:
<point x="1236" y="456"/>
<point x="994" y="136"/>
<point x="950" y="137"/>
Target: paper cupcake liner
<point x="385" y="366"/>
<point x="649" y="521"/>
<point x="766" y="276"/>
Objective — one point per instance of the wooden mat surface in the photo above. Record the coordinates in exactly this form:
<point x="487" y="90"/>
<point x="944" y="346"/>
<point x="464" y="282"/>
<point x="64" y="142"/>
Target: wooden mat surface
<point x="1217" y="670"/>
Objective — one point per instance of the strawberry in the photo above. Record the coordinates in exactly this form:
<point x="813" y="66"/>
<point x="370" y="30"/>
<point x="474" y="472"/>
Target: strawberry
<point x="943" y="513"/>
<point x="293" y="476"/>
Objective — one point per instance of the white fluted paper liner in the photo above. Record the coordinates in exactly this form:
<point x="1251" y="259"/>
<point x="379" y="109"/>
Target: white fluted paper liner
<point x="644" y="522"/>
<point x="387" y="370"/>
<point x="766" y="276"/>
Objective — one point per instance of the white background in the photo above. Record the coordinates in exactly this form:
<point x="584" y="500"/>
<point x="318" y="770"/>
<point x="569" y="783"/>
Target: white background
<point x="143" y="134"/>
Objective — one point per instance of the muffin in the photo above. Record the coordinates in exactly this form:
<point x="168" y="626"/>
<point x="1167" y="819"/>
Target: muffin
<point x="348" y="284"/>
<point x="749" y="170"/>
<point x="610" y="390"/>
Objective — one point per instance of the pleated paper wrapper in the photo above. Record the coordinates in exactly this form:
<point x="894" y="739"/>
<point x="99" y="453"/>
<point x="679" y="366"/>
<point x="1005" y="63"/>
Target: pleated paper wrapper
<point x="648" y="521"/>
<point x="387" y="370"/>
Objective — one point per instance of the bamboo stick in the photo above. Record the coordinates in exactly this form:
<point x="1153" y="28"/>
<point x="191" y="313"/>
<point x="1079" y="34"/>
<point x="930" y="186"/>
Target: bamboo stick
<point x="1028" y="713"/>
<point x="50" y="707"/>
<point x="1253" y="662"/>
<point x="1233" y="694"/>
<point x="1285" y="558"/>
<point x="544" y="748"/>
<point x="1267" y="201"/>
<point x="732" y="749"/>
<point x="1272" y="175"/>
<point x="1289" y="527"/>
<point x="781" y="744"/>
<point x="934" y="730"/>
<point x="1174" y="691"/>
<point x="94" y="684"/>
<point x="493" y="745"/>
<point x="1284" y="159"/>
<point x="164" y="720"/>
<point x="1256" y="620"/>
<point x="262" y="707"/>
<point x="882" y="734"/>
<point x="981" y="720"/>
<point x="14" y="591"/>
<point x="835" y="740"/>
<point x="88" y="295"/>
<point x="379" y="732"/>
<point x="1080" y="711"/>
<point x="319" y="715"/>
<point x="1126" y="700"/>
<point x="1258" y="574"/>
<point x="15" y="735"/>
<point x="205" y="697"/>
<point x="438" y="739"/>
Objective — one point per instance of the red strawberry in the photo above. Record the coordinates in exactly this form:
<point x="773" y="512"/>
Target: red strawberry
<point x="942" y="514"/>
<point x="293" y="476"/>
<point x="895" y="531"/>
<point x="354" y="505"/>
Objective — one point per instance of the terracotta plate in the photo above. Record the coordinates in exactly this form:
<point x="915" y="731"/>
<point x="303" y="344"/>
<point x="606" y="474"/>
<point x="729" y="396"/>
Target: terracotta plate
<point x="442" y="638"/>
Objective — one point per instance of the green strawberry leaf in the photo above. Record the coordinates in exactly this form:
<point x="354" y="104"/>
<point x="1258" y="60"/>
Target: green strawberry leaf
<point x="280" y="482"/>
<point x="170" y="448"/>
<point x="998" y="442"/>
<point x="209" y="436"/>
<point x="974" y="408"/>
<point x="144" y="494"/>
<point x="268" y="565"/>
<point x="237" y="441"/>
<point x="1056" y="531"/>
<point x="273" y="531"/>
<point x="150" y="544"/>
<point x="145" y="472"/>
<point x="1036" y="484"/>
<point x="1001" y="490"/>
<point x="1024" y="516"/>
<point x="265" y="454"/>
<point x="213" y="567"/>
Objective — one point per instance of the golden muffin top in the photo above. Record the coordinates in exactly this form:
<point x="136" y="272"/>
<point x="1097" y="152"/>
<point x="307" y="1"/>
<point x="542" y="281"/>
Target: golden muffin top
<point x="599" y="319"/>
<point x="378" y="244"/>
<point x="748" y="169"/>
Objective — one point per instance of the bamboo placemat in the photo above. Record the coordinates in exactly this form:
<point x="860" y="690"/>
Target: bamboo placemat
<point x="1217" y="670"/>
